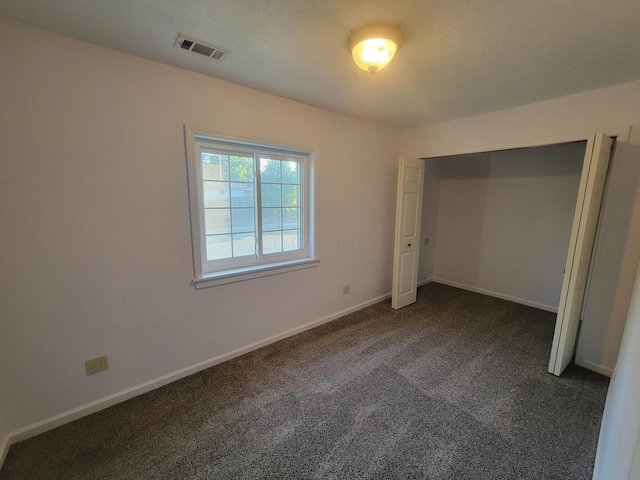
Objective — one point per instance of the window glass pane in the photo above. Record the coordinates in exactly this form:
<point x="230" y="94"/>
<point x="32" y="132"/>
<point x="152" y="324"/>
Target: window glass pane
<point x="290" y="197"/>
<point x="243" y="220"/>
<point x="290" y="218"/>
<point x="241" y="169"/>
<point x="216" y="194"/>
<point x="218" y="247"/>
<point x="272" y="242"/>
<point x="271" y="219"/>
<point x="291" y="240"/>
<point x="270" y="170"/>
<point x="217" y="221"/>
<point x="238" y="226"/>
<point x="215" y="166"/>
<point x="244" y="244"/>
<point x="271" y="195"/>
<point x="290" y="172"/>
<point x="242" y="195"/>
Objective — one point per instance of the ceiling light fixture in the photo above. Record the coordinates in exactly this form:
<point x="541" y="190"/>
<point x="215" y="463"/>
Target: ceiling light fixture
<point x="373" y="46"/>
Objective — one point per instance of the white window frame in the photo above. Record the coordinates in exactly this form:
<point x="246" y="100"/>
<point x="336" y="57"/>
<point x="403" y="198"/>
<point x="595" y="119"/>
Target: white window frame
<point x="212" y="273"/>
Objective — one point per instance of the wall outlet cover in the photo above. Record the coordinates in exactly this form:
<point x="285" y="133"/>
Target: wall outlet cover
<point x="96" y="365"/>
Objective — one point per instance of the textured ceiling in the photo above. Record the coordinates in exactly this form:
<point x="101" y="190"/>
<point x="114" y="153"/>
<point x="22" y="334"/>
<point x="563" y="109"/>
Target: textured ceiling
<point x="459" y="58"/>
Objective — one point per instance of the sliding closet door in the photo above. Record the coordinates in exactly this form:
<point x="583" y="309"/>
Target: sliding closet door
<point x="594" y="172"/>
<point x="407" y="238"/>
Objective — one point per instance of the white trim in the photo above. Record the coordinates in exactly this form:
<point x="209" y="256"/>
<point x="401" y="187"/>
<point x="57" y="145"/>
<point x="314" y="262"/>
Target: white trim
<point x="596" y="367"/>
<point x="4" y="449"/>
<point x="105" y="402"/>
<point x="621" y="133"/>
<point x="424" y="282"/>
<point x="248" y="273"/>
<point x="212" y="273"/>
<point x="522" y="301"/>
<point x="241" y="139"/>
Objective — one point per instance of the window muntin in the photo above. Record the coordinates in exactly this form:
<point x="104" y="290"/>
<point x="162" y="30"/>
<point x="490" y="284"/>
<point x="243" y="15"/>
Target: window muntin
<point x="252" y="203"/>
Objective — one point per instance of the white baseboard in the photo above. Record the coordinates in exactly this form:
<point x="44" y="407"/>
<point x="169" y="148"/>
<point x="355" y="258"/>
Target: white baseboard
<point x="596" y="367"/>
<point x="4" y="449"/>
<point x="108" y="401"/>
<point x="522" y="301"/>
<point x="424" y="282"/>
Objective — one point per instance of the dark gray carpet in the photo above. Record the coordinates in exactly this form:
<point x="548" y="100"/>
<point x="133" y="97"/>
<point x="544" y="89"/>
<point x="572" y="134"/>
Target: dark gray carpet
<point x="452" y="387"/>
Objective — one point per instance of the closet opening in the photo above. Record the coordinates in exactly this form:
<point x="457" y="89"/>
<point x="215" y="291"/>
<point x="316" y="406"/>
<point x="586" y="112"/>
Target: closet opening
<point x="499" y="221"/>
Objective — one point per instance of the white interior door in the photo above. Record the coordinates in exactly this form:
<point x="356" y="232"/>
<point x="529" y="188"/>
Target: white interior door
<point x="594" y="173"/>
<point x="407" y="238"/>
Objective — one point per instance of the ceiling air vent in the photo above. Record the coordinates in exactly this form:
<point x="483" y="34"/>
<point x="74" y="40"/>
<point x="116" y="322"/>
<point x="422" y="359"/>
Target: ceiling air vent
<point x="203" y="48"/>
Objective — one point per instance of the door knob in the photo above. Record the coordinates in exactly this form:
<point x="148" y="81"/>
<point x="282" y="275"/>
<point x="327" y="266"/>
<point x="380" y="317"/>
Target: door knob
<point x="409" y="244"/>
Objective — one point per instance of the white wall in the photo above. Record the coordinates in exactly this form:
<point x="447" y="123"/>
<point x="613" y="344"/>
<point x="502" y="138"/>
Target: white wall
<point x="592" y="111"/>
<point x="555" y="121"/>
<point x="618" y="454"/>
<point x="94" y="223"/>
<point x="505" y="219"/>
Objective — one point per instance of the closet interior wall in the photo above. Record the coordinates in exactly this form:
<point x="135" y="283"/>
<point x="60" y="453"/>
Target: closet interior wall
<point x="504" y="221"/>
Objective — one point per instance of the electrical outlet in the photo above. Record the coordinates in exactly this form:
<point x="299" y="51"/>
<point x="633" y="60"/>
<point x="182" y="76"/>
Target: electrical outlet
<point x="345" y="289"/>
<point x="96" y="365"/>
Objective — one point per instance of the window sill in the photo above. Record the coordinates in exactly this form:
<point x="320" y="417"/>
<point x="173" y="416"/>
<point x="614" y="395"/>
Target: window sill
<point x="248" y="273"/>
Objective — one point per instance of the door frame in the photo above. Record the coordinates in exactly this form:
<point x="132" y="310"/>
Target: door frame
<point x="620" y="133"/>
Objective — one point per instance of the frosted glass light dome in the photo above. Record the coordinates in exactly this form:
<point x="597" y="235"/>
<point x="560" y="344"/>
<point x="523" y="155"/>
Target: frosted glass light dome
<point x="374" y="46"/>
